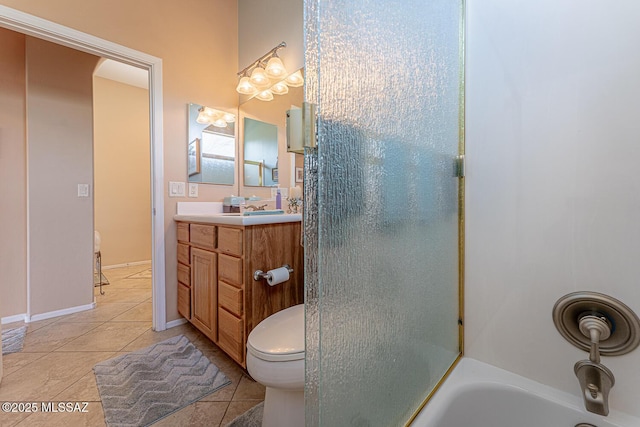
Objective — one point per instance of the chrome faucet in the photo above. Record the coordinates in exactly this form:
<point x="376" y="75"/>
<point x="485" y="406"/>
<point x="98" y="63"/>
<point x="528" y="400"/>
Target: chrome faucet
<point x="596" y="380"/>
<point x="255" y="208"/>
<point x="601" y="325"/>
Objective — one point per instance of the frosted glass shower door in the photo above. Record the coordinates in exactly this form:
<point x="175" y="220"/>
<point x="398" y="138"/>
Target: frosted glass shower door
<point x="382" y="205"/>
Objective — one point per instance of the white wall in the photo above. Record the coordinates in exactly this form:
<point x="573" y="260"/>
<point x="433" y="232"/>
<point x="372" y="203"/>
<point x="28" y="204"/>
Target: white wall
<point x="552" y="132"/>
<point x="262" y="25"/>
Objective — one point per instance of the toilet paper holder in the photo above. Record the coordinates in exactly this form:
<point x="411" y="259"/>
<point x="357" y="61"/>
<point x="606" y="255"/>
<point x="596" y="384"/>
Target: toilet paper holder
<point x="259" y="274"/>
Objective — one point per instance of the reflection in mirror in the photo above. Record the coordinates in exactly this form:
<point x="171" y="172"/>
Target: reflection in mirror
<point x="260" y="153"/>
<point x="211" y="150"/>
<point x="270" y="115"/>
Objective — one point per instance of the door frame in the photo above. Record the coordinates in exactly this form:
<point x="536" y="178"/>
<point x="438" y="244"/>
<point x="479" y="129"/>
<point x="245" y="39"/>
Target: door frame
<point x="30" y="25"/>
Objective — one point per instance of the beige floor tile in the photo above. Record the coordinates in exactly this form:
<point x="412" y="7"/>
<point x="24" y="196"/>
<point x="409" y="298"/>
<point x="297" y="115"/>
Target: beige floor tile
<point x="11" y="419"/>
<point x="225" y="394"/>
<point x="151" y="337"/>
<point x="48" y="376"/>
<point x="115" y="274"/>
<point x="110" y="336"/>
<point x="120" y="323"/>
<point x="140" y="313"/>
<point x="85" y="389"/>
<point x="34" y="326"/>
<point x="124" y="296"/>
<point x="55" y="335"/>
<point x="14" y="361"/>
<point x="248" y="389"/>
<point x="12" y="325"/>
<point x="128" y="284"/>
<point x="93" y="417"/>
<point x="238" y="408"/>
<point x="102" y="313"/>
<point x="196" y="414"/>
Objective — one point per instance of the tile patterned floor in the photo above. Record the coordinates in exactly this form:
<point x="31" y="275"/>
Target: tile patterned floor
<point x="56" y="363"/>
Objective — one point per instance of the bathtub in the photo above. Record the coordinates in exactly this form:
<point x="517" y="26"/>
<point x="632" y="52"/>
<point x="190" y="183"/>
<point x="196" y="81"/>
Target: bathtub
<point x="481" y="395"/>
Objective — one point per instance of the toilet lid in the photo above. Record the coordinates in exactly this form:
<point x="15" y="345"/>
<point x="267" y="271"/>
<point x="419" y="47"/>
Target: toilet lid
<point x="279" y="337"/>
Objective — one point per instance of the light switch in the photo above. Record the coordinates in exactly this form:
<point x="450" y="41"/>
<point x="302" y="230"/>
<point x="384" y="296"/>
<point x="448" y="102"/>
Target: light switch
<point x="193" y="189"/>
<point x="176" y="189"/>
<point x="83" y="190"/>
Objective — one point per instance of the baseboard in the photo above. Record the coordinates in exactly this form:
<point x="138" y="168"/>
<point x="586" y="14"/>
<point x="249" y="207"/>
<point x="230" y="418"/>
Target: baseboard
<point x="176" y="322"/>
<point x="15" y="318"/>
<point x="57" y="313"/>
<point x="126" y="264"/>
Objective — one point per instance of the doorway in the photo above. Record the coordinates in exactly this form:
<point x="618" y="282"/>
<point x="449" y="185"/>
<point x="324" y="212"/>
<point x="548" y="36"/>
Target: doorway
<point x="122" y="184"/>
<point x="49" y="31"/>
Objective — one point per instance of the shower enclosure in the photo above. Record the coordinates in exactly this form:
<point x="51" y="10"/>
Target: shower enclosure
<point x="383" y="207"/>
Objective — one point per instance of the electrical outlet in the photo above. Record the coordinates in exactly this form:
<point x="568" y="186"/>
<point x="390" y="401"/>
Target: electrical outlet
<point x="176" y="189"/>
<point x="83" y="190"/>
<point x="193" y="189"/>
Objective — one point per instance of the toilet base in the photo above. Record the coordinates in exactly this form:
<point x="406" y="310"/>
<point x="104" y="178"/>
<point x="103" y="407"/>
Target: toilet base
<point x="283" y="408"/>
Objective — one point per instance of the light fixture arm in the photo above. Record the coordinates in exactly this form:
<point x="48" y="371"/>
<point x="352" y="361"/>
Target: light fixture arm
<point x="266" y="56"/>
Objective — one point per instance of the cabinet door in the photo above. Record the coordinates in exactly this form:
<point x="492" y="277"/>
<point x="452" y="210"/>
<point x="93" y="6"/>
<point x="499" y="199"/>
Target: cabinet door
<point x="204" y="298"/>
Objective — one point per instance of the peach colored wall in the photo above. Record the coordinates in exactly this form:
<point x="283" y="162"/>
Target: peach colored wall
<point x="13" y="209"/>
<point x="122" y="175"/>
<point x="197" y="40"/>
<point x="60" y="153"/>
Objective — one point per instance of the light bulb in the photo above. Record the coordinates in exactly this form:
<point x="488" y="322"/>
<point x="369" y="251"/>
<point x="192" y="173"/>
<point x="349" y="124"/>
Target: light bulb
<point x="245" y="87"/>
<point x="265" y="95"/>
<point x="275" y="68"/>
<point x="295" y="79"/>
<point x="279" y="88"/>
<point x="202" y="118"/>
<point x="259" y="77"/>
<point x="220" y="123"/>
<point x="229" y="118"/>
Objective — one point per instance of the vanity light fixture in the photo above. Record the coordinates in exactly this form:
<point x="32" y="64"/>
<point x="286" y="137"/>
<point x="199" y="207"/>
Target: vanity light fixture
<point x="280" y="88"/>
<point x="267" y="76"/>
<point x="259" y="77"/>
<point x="265" y="95"/>
<point x="295" y="79"/>
<point x="275" y="68"/>
<point x="217" y="118"/>
<point x="245" y="87"/>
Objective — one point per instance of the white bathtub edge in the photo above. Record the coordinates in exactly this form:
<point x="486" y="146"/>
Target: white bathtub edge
<point x="470" y="372"/>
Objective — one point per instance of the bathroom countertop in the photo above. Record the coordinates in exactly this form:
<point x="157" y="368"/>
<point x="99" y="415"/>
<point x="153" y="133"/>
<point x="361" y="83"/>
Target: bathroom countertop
<point x="236" y="219"/>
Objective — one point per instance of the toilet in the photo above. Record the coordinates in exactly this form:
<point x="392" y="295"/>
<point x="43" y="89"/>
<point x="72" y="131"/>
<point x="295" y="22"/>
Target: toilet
<point x="275" y="359"/>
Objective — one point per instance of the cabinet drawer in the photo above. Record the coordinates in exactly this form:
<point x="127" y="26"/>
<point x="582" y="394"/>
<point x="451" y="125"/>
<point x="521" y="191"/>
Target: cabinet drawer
<point x="230" y="240"/>
<point x="230" y="297"/>
<point x="183" y="232"/>
<point x="184" y="300"/>
<point x="184" y="256"/>
<point x="230" y="269"/>
<point x="230" y="337"/>
<point x="203" y="235"/>
<point x="184" y="274"/>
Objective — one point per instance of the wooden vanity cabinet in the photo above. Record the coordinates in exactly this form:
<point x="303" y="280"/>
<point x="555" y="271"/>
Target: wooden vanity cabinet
<point x="216" y="289"/>
<point x="204" y="298"/>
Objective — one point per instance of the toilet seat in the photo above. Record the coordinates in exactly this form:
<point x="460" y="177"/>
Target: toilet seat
<point x="279" y="337"/>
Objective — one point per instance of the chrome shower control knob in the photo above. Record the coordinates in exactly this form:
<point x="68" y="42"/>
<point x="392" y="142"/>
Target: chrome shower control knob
<point x="596" y="328"/>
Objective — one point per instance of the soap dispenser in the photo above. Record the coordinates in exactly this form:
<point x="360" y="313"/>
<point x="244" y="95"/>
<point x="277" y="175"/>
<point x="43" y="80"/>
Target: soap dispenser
<point x="278" y="199"/>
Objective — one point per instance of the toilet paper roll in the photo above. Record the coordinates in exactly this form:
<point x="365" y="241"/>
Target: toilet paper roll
<point x="277" y="275"/>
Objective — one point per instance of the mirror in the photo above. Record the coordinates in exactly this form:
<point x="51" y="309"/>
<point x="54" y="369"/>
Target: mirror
<point x="260" y="153"/>
<point x="211" y="146"/>
<point x="262" y="128"/>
